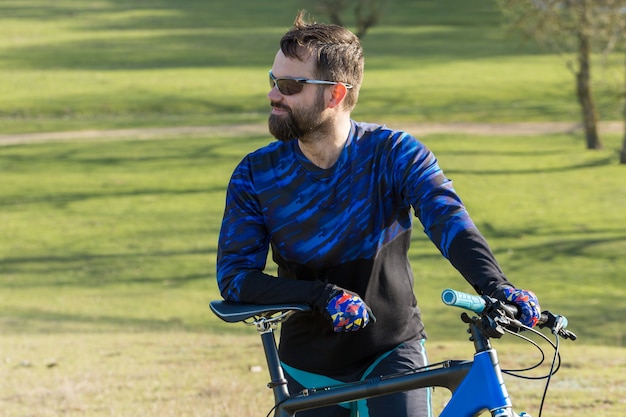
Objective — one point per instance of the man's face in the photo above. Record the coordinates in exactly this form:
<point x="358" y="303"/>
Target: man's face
<point x="295" y="116"/>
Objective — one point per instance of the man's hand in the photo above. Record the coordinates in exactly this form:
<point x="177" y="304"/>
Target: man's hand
<point x="348" y="311"/>
<point x="527" y="302"/>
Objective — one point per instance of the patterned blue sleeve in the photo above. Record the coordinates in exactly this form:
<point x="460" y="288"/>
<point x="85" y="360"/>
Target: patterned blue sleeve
<point x="243" y="242"/>
<point x="444" y="217"/>
<point x="243" y="248"/>
<point x="424" y="186"/>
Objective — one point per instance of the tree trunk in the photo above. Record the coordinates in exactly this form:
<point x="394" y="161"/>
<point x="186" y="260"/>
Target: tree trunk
<point x="333" y="9"/>
<point x="622" y="158"/>
<point x="583" y="83"/>
<point x="335" y="17"/>
<point x="366" y="14"/>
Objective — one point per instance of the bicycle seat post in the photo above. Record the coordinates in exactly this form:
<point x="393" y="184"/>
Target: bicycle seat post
<point x="277" y="383"/>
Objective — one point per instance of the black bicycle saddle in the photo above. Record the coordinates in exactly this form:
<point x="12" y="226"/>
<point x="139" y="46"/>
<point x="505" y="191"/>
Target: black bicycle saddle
<point x="233" y="312"/>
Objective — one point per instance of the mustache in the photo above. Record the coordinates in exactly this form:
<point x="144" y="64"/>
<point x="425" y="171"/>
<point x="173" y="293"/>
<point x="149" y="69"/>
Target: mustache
<point x="278" y="105"/>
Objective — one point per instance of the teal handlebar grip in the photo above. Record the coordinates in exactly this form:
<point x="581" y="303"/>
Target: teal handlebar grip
<point x="470" y="302"/>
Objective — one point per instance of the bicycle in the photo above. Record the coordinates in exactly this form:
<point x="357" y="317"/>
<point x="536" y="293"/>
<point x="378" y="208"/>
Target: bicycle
<point x="476" y="386"/>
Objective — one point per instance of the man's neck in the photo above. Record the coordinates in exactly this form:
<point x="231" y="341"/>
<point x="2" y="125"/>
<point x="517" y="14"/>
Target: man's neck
<point x="323" y="148"/>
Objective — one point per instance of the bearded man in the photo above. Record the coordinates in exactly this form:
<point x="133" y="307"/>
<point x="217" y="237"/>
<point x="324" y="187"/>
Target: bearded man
<point x="334" y="199"/>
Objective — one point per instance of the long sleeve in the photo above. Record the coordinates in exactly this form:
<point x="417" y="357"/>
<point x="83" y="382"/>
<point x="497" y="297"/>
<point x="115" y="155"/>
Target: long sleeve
<point x="242" y="252"/>
<point x="445" y="218"/>
<point x="243" y="243"/>
<point x="470" y="254"/>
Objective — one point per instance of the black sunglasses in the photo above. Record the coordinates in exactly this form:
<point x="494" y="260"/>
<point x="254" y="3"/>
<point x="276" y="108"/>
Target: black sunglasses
<point x="290" y="86"/>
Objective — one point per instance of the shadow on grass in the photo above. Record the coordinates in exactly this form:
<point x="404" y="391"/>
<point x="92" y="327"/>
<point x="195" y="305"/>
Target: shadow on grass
<point x="560" y="245"/>
<point x="99" y="270"/>
<point x="41" y="320"/>
<point x="131" y="152"/>
<point x="194" y="34"/>
<point x="595" y="320"/>
<point x="60" y="199"/>
<point x="565" y="168"/>
<point x="122" y="15"/>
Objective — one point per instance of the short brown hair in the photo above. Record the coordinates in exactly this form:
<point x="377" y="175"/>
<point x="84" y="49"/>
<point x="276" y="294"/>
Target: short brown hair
<point x="338" y="52"/>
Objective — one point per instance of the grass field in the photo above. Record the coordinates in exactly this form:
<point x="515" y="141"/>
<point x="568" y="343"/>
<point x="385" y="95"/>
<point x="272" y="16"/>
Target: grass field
<point x="108" y="266"/>
<point x="110" y="235"/>
<point x="111" y="63"/>
<point x="107" y="247"/>
<point x="214" y="375"/>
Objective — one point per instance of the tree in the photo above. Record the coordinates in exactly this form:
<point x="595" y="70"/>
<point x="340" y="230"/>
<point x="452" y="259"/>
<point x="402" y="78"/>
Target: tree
<point x="619" y="29"/>
<point x="613" y="32"/>
<point x="367" y="13"/>
<point x="565" y="26"/>
<point x="622" y="159"/>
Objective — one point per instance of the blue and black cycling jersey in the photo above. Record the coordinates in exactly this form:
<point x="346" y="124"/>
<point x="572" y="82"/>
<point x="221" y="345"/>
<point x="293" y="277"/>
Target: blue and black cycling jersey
<point x="348" y="225"/>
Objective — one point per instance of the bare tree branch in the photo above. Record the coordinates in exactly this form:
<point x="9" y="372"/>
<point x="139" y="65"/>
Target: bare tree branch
<point x="571" y="27"/>
<point x="367" y="13"/>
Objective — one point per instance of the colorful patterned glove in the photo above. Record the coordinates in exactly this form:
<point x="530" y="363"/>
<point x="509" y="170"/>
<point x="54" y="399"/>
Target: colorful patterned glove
<point x="347" y="311"/>
<point x="527" y="302"/>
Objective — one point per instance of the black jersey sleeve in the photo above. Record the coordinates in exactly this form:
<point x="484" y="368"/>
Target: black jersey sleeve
<point x="471" y="255"/>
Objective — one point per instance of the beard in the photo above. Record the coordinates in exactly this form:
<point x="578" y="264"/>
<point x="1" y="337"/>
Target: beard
<point x="298" y="123"/>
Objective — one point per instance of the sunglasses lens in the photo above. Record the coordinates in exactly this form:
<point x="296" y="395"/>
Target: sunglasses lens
<point x="289" y="87"/>
<point x="286" y="86"/>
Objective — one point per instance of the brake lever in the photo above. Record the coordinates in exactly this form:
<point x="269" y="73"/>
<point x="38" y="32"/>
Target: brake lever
<point x="505" y="314"/>
<point x="557" y="325"/>
<point x="498" y="316"/>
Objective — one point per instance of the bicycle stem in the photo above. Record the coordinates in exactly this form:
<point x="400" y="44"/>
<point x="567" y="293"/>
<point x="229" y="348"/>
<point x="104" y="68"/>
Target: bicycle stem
<point x="481" y="343"/>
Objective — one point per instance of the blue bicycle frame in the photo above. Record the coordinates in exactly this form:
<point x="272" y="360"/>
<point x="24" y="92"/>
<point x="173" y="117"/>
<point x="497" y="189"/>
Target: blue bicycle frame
<point x="477" y="386"/>
<point x="482" y="389"/>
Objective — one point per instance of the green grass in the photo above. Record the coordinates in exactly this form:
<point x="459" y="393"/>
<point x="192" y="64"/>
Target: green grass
<point x="121" y="235"/>
<point x="167" y="374"/>
<point x="550" y="213"/>
<point x="97" y="223"/>
<point x="117" y="64"/>
<point x="107" y="266"/>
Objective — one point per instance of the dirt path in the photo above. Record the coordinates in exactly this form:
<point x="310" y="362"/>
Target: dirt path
<point x="417" y="129"/>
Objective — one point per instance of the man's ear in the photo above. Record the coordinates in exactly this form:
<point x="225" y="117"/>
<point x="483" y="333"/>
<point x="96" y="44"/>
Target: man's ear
<point x="338" y="92"/>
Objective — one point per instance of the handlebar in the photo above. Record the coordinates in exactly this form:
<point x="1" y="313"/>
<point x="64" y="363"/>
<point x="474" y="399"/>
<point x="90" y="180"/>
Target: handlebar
<point x="460" y="299"/>
<point x="479" y="304"/>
